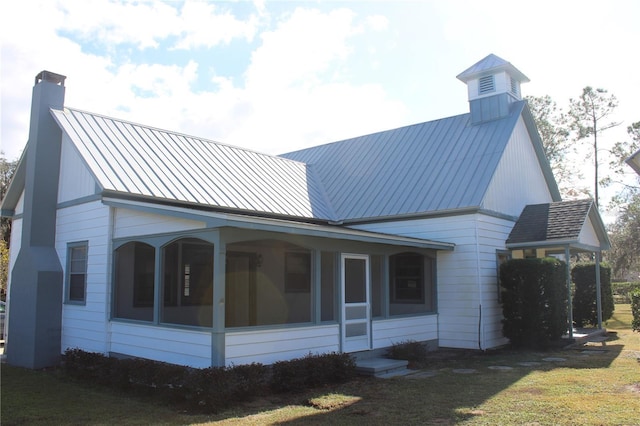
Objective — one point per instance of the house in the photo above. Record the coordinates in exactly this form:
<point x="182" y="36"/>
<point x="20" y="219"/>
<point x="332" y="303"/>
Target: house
<point x="136" y="241"/>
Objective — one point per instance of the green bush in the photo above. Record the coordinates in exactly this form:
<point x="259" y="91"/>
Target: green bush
<point x="207" y="389"/>
<point x="410" y="350"/>
<point x="311" y="371"/>
<point x="622" y="291"/>
<point x="534" y="301"/>
<point x="635" y="310"/>
<point x="585" y="310"/>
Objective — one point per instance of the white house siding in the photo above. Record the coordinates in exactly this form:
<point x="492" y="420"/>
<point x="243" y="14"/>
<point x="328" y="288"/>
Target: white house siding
<point x="269" y="346"/>
<point x="388" y="332"/>
<point x="466" y="276"/>
<point x="173" y="345"/>
<point x="130" y="223"/>
<point x="75" y="180"/>
<point x="85" y="326"/>
<point x="518" y="179"/>
<point x="588" y="235"/>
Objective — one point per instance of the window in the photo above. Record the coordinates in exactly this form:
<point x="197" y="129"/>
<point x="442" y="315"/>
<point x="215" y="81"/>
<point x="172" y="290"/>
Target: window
<point x="188" y="283"/>
<point x="134" y="280"/>
<point x="77" y="272"/>
<point x="411" y="286"/>
<point x="486" y="84"/>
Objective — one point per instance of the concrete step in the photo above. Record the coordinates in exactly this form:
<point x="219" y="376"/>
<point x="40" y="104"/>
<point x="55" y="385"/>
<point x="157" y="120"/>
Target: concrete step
<point x="382" y="367"/>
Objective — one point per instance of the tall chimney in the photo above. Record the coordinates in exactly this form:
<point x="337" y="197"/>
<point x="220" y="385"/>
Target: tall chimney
<point x="35" y="312"/>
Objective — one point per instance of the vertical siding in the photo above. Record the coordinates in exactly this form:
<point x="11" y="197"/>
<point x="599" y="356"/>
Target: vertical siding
<point x="129" y="223"/>
<point x="518" y="179"/>
<point x="75" y="179"/>
<point x="85" y="326"/>
<point x="269" y="346"/>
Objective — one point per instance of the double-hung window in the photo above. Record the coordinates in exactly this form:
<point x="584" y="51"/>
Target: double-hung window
<point x="77" y="272"/>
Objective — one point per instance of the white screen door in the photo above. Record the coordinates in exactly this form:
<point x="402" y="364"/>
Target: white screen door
<point x="356" y="328"/>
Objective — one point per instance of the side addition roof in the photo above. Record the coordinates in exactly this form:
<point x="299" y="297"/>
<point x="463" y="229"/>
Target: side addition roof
<point x="559" y="224"/>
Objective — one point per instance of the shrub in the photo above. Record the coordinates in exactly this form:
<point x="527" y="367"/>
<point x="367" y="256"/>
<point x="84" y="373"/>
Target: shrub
<point x="622" y="291"/>
<point x="635" y="310"/>
<point x="585" y="310"/>
<point x="207" y="389"/>
<point x="534" y="301"/>
<point x="311" y="371"/>
<point x="410" y="350"/>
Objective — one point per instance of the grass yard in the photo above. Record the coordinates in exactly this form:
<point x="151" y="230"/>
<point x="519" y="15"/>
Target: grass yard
<point x="594" y="384"/>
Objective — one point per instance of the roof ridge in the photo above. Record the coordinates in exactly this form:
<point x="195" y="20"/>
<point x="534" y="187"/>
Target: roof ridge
<point x="185" y="135"/>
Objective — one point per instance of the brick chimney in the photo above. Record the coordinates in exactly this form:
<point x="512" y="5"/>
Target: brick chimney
<point x="35" y="312"/>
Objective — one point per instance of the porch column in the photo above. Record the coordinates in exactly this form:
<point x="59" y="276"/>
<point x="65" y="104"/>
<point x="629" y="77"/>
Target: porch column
<point x="598" y="293"/>
<point x="219" y="282"/>
<point x="567" y="257"/>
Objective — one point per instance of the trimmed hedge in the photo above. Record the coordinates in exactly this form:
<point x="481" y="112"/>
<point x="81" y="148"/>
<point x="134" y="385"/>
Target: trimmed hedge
<point x="208" y="389"/>
<point x="585" y="306"/>
<point x="635" y="310"/>
<point x="622" y="291"/>
<point x="534" y="301"/>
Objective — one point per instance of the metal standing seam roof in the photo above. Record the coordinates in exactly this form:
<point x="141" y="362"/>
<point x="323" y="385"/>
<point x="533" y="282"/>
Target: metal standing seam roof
<point x="488" y="65"/>
<point x="439" y="165"/>
<point x="139" y="160"/>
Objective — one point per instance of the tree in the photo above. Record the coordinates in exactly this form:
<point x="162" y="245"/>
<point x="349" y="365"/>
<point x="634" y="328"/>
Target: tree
<point x="624" y="234"/>
<point x="620" y="152"/>
<point x="7" y="168"/>
<point x="554" y="127"/>
<point x="587" y="115"/>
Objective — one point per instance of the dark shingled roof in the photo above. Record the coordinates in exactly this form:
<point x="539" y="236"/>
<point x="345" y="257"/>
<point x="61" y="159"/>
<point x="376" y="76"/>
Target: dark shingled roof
<point x="562" y="220"/>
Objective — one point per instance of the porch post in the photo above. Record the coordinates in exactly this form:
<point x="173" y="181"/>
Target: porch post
<point x="567" y="257"/>
<point x="219" y="273"/>
<point x="598" y="293"/>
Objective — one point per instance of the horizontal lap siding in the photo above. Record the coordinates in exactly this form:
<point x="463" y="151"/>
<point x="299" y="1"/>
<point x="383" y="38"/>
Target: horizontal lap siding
<point x="128" y="223"/>
<point x="392" y="331"/>
<point x="493" y="233"/>
<point x="85" y="326"/>
<point x="176" y="346"/>
<point x="459" y="273"/>
<point x="269" y="346"/>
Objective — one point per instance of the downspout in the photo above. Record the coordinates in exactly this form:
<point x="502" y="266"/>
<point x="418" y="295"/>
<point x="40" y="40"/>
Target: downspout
<point x="478" y="280"/>
<point x="567" y="256"/>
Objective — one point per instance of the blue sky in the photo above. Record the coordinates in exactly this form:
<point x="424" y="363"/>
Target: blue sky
<point x="280" y="76"/>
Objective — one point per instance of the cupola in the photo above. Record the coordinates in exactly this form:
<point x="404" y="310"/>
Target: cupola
<point x="492" y="85"/>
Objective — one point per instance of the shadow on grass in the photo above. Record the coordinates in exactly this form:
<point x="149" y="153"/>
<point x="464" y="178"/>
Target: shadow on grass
<point x="450" y="390"/>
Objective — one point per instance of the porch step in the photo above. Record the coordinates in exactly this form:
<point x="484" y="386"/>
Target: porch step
<point x="382" y="367"/>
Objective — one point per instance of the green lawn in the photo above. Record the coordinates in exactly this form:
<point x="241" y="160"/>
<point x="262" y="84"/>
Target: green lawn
<point x="588" y="385"/>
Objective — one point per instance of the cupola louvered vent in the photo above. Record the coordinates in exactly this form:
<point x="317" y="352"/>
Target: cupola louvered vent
<point x="486" y="84"/>
<point x="515" y="87"/>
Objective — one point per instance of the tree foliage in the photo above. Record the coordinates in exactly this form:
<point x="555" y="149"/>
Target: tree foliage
<point x="624" y="234"/>
<point x="554" y="127"/>
<point x="7" y="168"/>
<point x="590" y="116"/>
